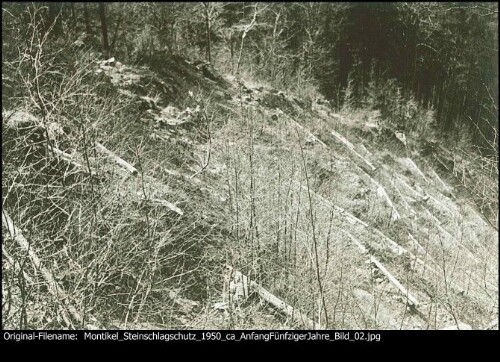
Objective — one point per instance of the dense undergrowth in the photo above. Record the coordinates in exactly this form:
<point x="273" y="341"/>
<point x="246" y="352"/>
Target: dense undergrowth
<point x="140" y="188"/>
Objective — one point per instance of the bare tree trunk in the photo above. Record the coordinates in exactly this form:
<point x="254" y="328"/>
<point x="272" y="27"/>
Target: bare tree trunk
<point x="273" y="47"/>
<point x="208" y="25"/>
<point x="104" y="29"/>
<point x="177" y="43"/>
<point x="245" y="31"/>
<point x="52" y="22"/>
<point x="73" y="15"/>
<point x="231" y="45"/>
<point x="115" y="33"/>
<point x="88" y="28"/>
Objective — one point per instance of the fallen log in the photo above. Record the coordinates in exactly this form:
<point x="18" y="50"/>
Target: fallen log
<point x="452" y="239"/>
<point x="391" y="244"/>
<point x="121" y="162"/>
<point x="411" y="299"/>
<point x="413" y="191"/>
<point x="52" y="285"/>
<point x="276" y="302"/>
<point x="402" y="198"/>
<point x="447" y="189"/>
<point x="310" y="134"/>
<point x="366" y="150"/>
<point x="427" y="197"/>
<point x="416" y="245"/>
<point x="177" y="174"/>
<point x="395" y="247"/>
<point x="393" y="280"/>
<point x="381" y="192"/>
<point x="69" y="159"/>
<point x="380" y="189"/>
<point x="408" y="162"/>
<point x="167" y="204"/>
<point x="350" y="146"/>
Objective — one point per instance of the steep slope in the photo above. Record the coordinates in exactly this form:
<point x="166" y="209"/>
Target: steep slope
<point x="348" y="222"/>
<point x="382" y="233"/>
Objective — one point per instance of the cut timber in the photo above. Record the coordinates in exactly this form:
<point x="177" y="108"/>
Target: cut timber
<point x="481" y="217"/>
<point x="69" y="159"/>
<point x="273" y="148"/>
<point x="380" y="266"/>
<point x="446" y="151"/>
<point x="445" y="186"/>
<point x="52" y="285"/>
<point x="117" y="159"/>
<point x="402" y="250"/>
<point x="395" y="247"/>
<point x="452" y="239"/>
<point x="65" y="156"/>
<point x="428" y="197"/>
<point x="279" y="304"/>
<point x="393" y="280"/>
<point x="174" y="173"/>
<point x="177" y="174"/>
<point x="403" y="199"/>
<point x="408" y="162"/>
<point x="398" y="249"/>
<point x="391" y="244"/>
<point x="381" y="192"/>
<point x="416" y="245"/>
<point x="406" y="205"/>
<point x="417" y="169"/>
<point x="350" y="146"/>
<point x="310" y="134"/>
<point x="159" y="190"/>
<point x="20" y="119"/>
<point x="284" y="307"/>
<point x="411" y="189"/>
<point x="366" y="150"/>
<point x="439" y="205"/>
<point x="380" y="189"/>
<point x="168" y="205"/>
<point x="337" y="208"/>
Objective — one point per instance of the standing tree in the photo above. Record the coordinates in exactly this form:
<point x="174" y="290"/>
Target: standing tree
<point x="208" y="13"/>
<point x="245" y="29"/>
<point x="104" y="30"/>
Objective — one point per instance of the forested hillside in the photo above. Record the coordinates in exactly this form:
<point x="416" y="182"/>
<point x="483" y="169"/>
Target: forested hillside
<point x="238" y="165"/>
<point x="398" y="57"/>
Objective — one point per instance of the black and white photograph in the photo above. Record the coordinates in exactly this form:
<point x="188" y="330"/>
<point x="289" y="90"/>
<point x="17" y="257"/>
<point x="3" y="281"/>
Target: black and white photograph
<point x="250" y="166"/>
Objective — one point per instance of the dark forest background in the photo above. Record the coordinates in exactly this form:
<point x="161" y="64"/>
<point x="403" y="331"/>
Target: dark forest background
<point x="400" y="58"/>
